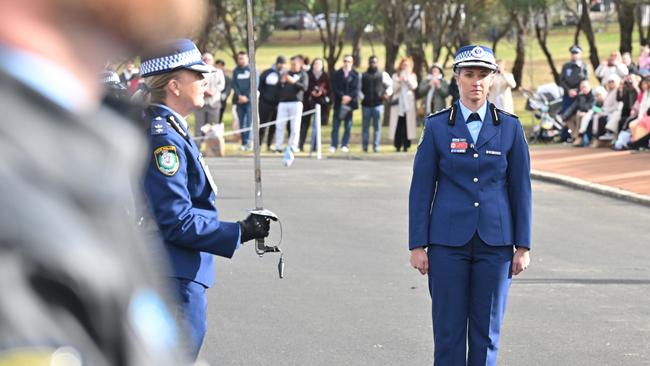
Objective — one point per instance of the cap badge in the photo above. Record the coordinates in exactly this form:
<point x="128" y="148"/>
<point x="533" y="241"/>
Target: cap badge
<point x="478" y="52"/>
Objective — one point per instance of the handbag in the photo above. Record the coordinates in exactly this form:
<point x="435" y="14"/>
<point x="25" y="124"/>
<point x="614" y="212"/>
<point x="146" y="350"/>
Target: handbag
<point x="344" y="110"/>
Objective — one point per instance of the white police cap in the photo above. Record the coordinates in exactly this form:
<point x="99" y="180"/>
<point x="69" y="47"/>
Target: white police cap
<point x="109" y="77"/>
<point x="575" y="49"/>
<point x="176" y="55"/>
<point x="475" y="56"/>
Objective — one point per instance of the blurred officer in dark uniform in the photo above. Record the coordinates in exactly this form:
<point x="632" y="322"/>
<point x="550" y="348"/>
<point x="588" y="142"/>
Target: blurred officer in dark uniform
<point x="78" y="286"/>
<point x="572" y="74"/>
<point x="469" y="207"/>
<point x="179" y="188"/>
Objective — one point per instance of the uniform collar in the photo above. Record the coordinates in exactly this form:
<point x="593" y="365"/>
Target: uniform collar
<point x="488" y="129"/>
<point x="466" y="111"/>
<point x="182" y="120"/>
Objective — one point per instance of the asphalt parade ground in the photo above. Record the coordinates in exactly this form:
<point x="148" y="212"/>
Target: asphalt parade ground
<point x="349" y="296"/>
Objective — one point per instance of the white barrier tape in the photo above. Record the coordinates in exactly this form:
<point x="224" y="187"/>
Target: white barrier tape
<point x="235" y="132"/>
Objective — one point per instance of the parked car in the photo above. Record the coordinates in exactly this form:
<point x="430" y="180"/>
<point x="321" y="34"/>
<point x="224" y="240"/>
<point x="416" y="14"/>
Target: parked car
<point x="297" y="20"/>
<point x="322" y="24"/>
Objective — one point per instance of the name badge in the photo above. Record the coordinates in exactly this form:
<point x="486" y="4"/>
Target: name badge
<point x="458" y="145"/>
<point x="492" y="152"/>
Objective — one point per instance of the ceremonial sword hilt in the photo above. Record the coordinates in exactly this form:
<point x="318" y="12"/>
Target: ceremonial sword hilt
<point x="260" y="246"/>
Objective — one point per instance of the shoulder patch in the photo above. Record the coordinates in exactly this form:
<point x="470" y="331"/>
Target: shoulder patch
<point x="167" y="160"/>
<point x="158" y="126"/>
<point x="424" y="129"/>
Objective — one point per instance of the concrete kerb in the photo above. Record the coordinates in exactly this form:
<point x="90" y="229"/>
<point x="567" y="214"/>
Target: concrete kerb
<point x="591" y="187"/>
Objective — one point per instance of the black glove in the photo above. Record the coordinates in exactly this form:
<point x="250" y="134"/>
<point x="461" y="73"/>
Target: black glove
<point x="254" y="227"/>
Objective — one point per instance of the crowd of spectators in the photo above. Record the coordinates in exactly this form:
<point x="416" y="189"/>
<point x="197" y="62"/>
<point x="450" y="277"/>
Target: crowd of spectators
<point x="616" y="113"/>
<point x="288" y="95"/>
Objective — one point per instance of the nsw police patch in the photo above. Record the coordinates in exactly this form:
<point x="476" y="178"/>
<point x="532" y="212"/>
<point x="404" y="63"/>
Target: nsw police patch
<point x="424" y="129"/>
<point x="167" y="160"/>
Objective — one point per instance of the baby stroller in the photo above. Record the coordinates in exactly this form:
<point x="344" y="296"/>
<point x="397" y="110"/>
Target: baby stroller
<point x="546" y="105"/>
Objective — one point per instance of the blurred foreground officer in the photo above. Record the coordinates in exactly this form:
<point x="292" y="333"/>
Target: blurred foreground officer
<point x="469" y="207"/>
<point x="78" y="286"/>
<point x="179" y="188"/>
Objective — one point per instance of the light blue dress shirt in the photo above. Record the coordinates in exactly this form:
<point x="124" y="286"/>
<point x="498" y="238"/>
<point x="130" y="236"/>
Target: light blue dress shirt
<point x="474" y="127"/>
<point x="45" y="77"/>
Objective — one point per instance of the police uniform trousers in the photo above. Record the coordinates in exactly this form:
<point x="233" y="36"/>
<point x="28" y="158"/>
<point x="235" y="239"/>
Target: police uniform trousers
<point x="469" y="287"/>
<point x="191" y="312"/>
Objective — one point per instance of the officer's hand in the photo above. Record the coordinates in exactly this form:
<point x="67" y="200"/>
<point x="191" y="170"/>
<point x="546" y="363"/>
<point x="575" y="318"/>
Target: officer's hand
<point x="520" y="261"/>
<point x="420" y="260"/>
<point x="254" y="227"/>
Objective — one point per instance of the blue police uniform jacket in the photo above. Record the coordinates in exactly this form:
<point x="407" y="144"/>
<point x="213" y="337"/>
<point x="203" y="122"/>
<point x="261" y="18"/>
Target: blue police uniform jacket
<point x="460" y="188"/>
<point x="182" y="202"/>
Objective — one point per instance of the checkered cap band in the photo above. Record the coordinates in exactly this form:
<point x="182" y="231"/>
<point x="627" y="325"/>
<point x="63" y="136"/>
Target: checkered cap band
<point x="168" y="63"/>
<point x="475" y="56"/>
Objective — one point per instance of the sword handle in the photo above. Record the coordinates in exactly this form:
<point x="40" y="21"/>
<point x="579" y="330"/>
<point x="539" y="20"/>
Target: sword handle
<point x="260" y="247"/>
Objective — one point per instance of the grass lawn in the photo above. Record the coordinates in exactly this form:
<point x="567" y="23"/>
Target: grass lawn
<point x="536" y="70"/>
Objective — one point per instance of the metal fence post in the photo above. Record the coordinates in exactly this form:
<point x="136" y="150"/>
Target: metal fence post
<point x="317" y="123"/>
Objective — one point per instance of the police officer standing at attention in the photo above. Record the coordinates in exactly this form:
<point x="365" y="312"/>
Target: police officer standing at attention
<point x="179" y="188"/>
<point x="470" y="214"/>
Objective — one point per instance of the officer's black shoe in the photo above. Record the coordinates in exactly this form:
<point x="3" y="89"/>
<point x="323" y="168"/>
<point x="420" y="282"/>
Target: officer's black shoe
<point x="254" y="227"/>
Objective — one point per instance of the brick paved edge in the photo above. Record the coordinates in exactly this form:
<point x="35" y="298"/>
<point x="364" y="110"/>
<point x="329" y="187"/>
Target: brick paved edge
<point x="591" y="187"/>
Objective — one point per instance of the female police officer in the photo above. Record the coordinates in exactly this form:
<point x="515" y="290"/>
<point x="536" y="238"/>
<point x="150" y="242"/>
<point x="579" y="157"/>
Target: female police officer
<point x="178" y="186"/>
<point x="470" y="206"/>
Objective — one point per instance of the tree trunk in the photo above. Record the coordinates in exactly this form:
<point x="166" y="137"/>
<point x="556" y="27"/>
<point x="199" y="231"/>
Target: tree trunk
<point x="647" y="34"/>
<point x="639" y="24"/>
<point x="392" y="42"/>
<point x="520" y="21"/>
<point x="585" y="25"/>
<point x="392" y="36"/>
<point x="500" y="34"/>
<point x="625" y="11"/>
<point x="416" y="51"/>
<point x="204" y="36"/>
<point x="356" y="47"/>
<point x="541" y="31"/>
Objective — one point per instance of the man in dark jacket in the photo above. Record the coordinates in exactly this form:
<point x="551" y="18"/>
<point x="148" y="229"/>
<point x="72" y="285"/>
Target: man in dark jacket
<point x="583" y="103"/>
<point x="270" y="97"/>
<point x="241" y="86"/>
<point x="376" y="87"/>
<point x="292" y="91"/>
<point x="573" y="72"/>
<point x="345" y="83"/>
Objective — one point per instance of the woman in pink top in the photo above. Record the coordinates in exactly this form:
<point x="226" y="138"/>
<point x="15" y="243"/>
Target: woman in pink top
<point x="644" y="61"/>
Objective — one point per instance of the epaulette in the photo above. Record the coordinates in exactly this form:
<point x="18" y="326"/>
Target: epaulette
<point x="496" y="111"/>
<point x="442" y="111"/>
<point x="158" y="126"/>
<point x="438" y="112"/>
<point x="176" y="126"/>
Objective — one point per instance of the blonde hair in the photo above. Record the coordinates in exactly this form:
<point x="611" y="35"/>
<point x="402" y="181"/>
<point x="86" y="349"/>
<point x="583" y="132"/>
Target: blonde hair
<point x="157" y="86"/>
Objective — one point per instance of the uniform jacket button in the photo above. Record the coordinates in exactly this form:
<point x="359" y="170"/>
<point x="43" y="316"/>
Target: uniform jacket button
<point x="475" y="180"/>
<point x="476" y="204"/>
<point x="475" y="156"/>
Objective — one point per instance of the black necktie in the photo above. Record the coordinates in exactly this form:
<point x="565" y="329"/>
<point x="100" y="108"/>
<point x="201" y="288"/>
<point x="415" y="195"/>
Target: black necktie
<point x="473" y="117"/>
